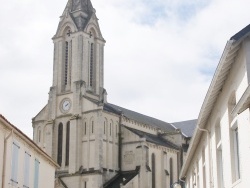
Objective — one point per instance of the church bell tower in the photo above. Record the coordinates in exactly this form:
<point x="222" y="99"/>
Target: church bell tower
<point x="66" y="127"/>
<point x="78" y="49"/>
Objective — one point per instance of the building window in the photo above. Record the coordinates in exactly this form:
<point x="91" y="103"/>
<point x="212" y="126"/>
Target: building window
<point x="66" y="63"/>
<point x="59" y="144"/>
<point x="39" y="135"/>
<point x="219" y="156"/>
<point x="204" y="169"/>
<point x="236" y="154"/>
<point x="26" y="170"/>
<point x="110" y="130"/>
<point x="91" y="64"/>
<point x="104" y="128"/>
<point x="153" y="170"/>
<point x="36" y="175"/>
<point x="67" y="144"/>
<point x="171" y="171"/>
<point x="116" y="130"/>
<point x="14" y="162"/>
<point x="92" y="127"/>
<point x="85" y="128"/>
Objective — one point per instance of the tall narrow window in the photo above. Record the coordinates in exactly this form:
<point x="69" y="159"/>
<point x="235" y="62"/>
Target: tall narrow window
<point x="171" y="171"/>
<point x="85" y="128"/>
<point x="66" y="63"/>
<point x="92" y="127"/>
<point x="116" y="130"/>
<point x="204" y="169"/>
<point x="104" y="128"/>
<point x="153" y="170"/>
<point x="91" y="64"/>
<point x="67" y="144"/>
<point x="219" y="156"/>
<point x="39" y="134"/>
<point x="59" y="144"/>
<point x="14" y="162"/>
<point x="36" y="175"/>
<point x="236" y="154"/>
<point x="110" y="130"/>
<point x="26" y="170"/>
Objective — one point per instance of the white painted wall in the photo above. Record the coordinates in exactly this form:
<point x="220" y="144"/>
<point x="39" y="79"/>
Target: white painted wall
<point x="221" y="116"/>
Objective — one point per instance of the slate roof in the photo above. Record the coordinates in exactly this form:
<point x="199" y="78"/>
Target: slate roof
<point x="155" y="139"/>
<point x="121" y="178"/>
<point x="187" y="127"/>
<point x="241" y="33"/>
<point x="139" y="117"/>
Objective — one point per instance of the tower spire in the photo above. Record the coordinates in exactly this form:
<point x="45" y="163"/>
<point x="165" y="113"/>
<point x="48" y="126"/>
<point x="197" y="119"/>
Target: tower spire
<point x="80" y="11"/>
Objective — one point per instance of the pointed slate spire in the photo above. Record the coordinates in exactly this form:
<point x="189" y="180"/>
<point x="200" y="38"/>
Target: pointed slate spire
<point x="82" y="5"/>
<point x="80" y="10"/>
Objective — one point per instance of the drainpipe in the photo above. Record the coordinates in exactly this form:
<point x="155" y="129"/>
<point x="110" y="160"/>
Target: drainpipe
<point x="120" y="144"/>
<point x="209" y="155"/>
<point x="4" y="157"/>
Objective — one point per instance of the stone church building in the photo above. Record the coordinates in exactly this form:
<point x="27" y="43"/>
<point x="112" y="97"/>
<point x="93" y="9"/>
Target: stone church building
<point x="98" y="144"/>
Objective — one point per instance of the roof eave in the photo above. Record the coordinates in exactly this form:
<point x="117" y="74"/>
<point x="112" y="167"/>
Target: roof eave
<point x="210" y="99"/>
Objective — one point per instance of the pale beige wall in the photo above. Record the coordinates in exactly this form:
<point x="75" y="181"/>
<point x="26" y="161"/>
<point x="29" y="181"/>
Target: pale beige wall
<point x="2" y="136"/>
<point x="46" y="168"/>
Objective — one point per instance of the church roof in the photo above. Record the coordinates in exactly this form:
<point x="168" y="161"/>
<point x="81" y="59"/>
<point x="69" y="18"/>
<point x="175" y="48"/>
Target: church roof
<point x="139" y="117"/>
<point x="187" y="127"/>
<point x="155" y="139"/>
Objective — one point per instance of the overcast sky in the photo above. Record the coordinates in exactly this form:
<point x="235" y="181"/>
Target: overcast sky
<point x="160" y="55"/>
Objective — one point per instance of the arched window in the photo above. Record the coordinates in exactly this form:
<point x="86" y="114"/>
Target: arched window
<point x="59" y="144"/>
<point x="39" y="134"/>
<point x="85" y="128"/>
<point x="92" y="127"/>
<point x="104" y="128"/>
<point x="171" y="171"/>
<point x="67" y="58"/>
<point x="110" y="129"/>
<point x="153" y="170"/>
<point x="92" y="54"/>
<point x="91" y="65"/>
<point x="67" y="144"/>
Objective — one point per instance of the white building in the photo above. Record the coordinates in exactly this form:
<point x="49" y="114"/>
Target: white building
<point x="219" y="151"/>
<point x="22" y="162"/>
<point x="98" y="144"/>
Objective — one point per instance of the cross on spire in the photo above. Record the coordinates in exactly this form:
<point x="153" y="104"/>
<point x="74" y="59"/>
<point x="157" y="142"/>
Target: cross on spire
<point x="69" y="33"/>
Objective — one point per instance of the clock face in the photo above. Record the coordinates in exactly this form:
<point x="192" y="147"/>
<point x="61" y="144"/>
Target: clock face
<point x="65" y="105"/>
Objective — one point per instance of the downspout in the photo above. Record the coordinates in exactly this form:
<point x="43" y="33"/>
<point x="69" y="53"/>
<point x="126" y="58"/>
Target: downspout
<point x="120" y="144"/>
<point x="4" y="157"/>
<point x="209" y="154"/>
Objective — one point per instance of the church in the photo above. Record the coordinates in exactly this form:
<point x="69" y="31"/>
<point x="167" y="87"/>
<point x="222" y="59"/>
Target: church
<point x="98" y="144"/>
